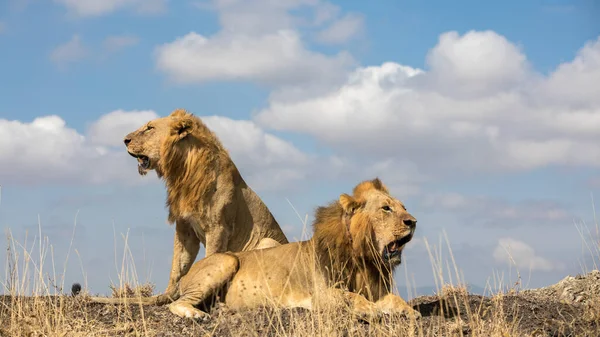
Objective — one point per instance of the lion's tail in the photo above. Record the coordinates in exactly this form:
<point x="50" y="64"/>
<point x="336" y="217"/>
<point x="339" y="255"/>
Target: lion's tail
<point x="161" y="299"/>
<point x="152" y="300"/>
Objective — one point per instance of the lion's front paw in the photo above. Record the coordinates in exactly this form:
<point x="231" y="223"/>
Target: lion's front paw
<point x="197" y="314"/>
<point x="405" y="311"/>
<point x="187" y="311"/>
<point x="395" y="305"/>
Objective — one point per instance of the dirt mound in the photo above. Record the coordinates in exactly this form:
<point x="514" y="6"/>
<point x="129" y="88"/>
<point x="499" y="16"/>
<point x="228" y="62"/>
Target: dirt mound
<point x="580" y="289"/>
<point x="569" y="308"/>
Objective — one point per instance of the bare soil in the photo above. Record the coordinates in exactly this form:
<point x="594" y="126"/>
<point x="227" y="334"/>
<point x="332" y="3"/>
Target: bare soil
<point x="568" y="308"/>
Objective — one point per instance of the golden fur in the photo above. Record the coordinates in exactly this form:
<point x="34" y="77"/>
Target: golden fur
<point x="207" y="197"/>
<point x="357" y="243"/>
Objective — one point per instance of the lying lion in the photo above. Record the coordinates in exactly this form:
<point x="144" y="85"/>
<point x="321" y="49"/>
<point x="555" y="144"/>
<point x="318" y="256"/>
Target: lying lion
<point x="357" y="243"/>
<point x="206" y="195"/>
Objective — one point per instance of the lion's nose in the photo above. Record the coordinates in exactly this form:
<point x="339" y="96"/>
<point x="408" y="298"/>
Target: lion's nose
<point x="127" y="141"/>
<point x="412" y="223"/>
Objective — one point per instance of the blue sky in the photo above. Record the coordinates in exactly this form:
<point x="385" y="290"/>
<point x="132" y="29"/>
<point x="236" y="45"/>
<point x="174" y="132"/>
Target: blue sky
<point x="482" y="117"/>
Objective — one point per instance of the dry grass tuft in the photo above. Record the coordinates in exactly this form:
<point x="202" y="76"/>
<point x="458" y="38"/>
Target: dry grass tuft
<point x="450" y="291"/>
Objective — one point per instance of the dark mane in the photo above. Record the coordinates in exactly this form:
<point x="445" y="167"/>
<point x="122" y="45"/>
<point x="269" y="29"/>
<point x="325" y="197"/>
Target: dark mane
<point x="330" y="233"/>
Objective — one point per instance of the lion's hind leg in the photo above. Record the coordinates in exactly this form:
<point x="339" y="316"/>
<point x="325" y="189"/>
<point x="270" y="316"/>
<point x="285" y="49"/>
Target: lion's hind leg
<point x="203" y="280"/>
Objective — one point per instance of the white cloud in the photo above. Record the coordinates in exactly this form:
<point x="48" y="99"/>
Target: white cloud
<point x="258" y="41"/>
<point x="118" y="42"/>
<point x="519" y="253"/>
<point x="46" y="150"/>
<point x="71" y="51"/>
<point x="245" y="138"/>
<point x="266" y="161"/>
<point x="341" y="112"/>
<point x="575" y="84"/>
<point x="91" y="8"/>
<point x="477" y="63"/>
<point x="342" y="30"/>
<point x="273" y="58"/>
<point x="111" y="128"/>
<point x="259" y="17"/>
<point x="478" y="108"/>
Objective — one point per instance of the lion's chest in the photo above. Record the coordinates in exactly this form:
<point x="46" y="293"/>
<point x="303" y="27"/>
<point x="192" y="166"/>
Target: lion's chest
<point x="200" y="224"/>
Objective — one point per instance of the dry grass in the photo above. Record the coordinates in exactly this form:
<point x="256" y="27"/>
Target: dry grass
<point x="35" y="304"/>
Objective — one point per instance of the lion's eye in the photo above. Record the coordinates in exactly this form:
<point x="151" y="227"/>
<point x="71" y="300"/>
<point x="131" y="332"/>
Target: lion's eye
<point x="149" y="127"/>
<point x="386" y="208"/>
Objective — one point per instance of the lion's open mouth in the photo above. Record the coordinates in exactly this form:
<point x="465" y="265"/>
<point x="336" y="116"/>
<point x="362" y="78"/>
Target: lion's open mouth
<point x="394" y="248"/>
<point x="143" y="162"/>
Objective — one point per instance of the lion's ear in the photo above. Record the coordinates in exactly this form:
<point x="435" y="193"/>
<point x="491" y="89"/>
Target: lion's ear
<point x="183" y="127"/>
<point x="379" y="185"/>
<point x="349" y="205"/>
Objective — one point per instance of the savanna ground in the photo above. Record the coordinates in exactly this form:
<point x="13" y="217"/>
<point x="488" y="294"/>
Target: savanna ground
<point x="570" y="307"/>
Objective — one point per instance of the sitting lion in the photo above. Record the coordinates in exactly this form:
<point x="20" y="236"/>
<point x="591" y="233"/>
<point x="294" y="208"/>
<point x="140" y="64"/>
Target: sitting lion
<point x="357" y="243"/>
<point x="207" y="197"/>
